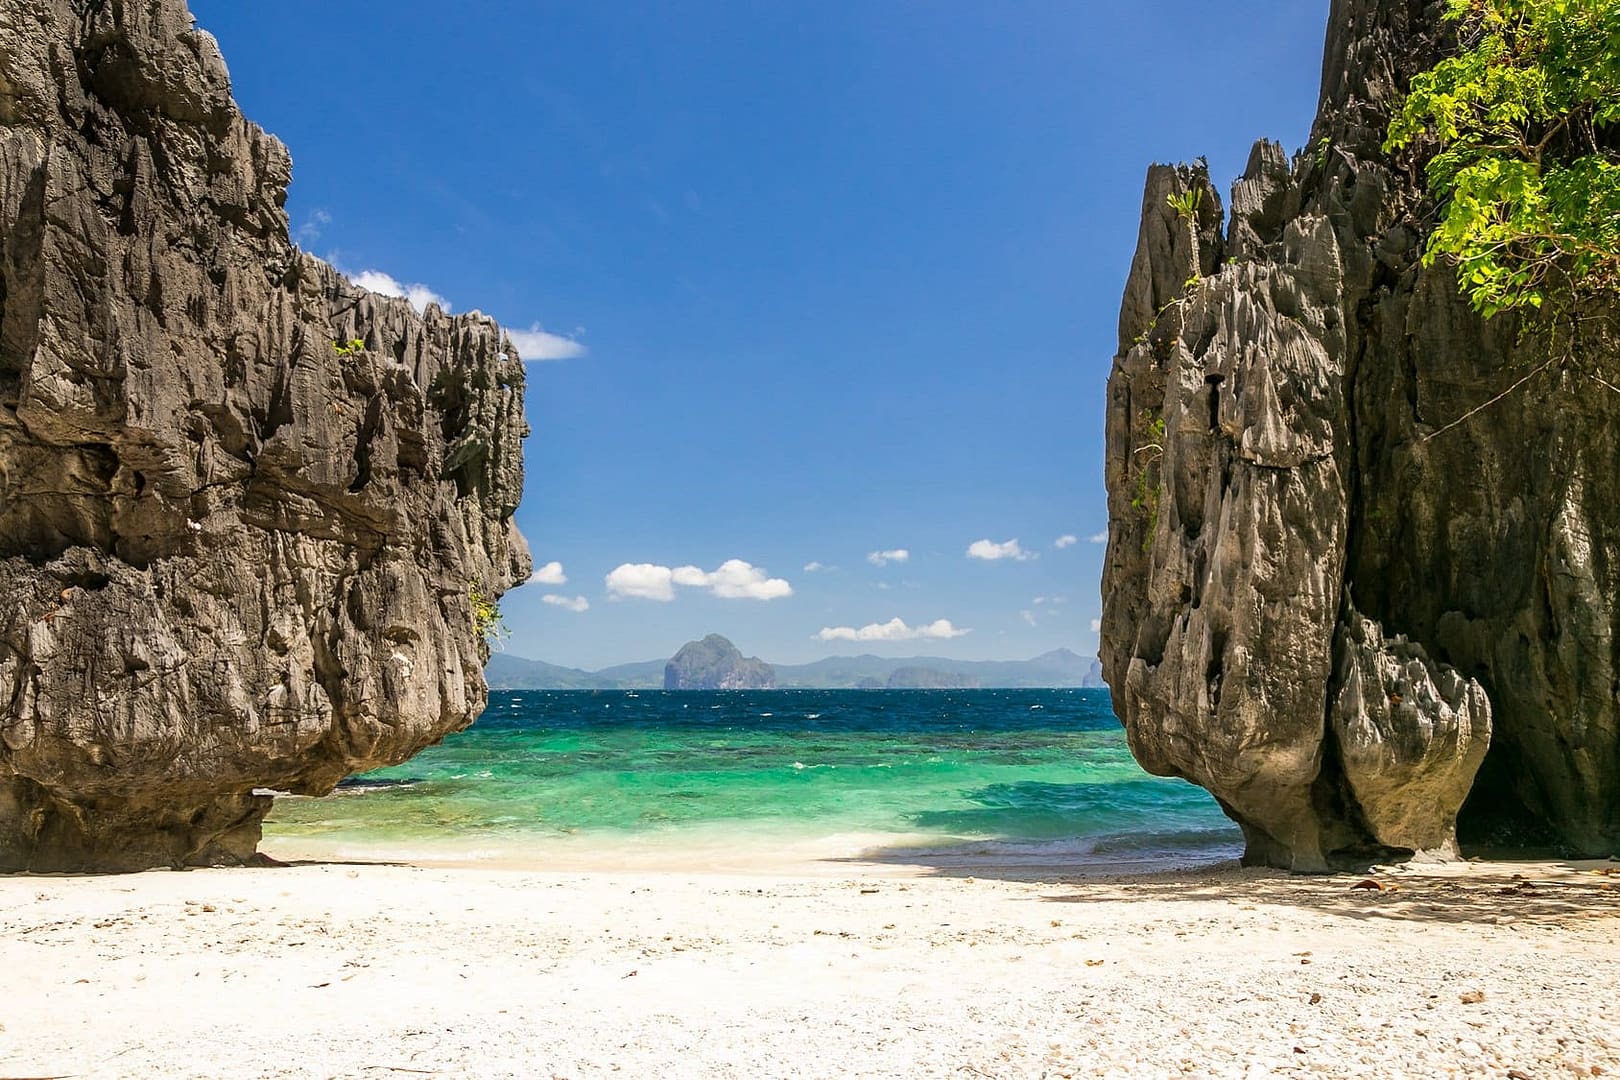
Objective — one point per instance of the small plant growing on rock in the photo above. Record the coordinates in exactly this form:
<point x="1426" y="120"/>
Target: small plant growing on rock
<point x="1186" y="204"/>
<point x="1324" y="147"/>
<point x="486" y="613"/>
<point x="1147" y="491"/>
<point x="346" y="349"/>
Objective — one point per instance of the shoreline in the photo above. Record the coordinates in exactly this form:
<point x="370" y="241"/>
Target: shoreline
<point x="766" y="852"/>
<point x="368" y="969"/>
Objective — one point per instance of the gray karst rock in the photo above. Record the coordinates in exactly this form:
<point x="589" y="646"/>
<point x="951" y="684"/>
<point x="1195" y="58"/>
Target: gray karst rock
<point x="1362" y="629"/>
<point x="716" y="664"/>
<point x="1410" y="736"/>
<point x="236" y="551"/>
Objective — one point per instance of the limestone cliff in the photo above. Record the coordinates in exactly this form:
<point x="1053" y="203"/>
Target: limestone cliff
<point x="1349" y="620"/>
<point x="236" y="550"/>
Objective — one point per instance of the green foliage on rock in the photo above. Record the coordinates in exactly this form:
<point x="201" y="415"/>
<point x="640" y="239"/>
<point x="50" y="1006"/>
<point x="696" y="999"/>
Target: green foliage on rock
<point x="1147" y="491"/>
<point x="1525" y="121"/>
<point x="486" y="613"/>
<point x="1186" y="204"/>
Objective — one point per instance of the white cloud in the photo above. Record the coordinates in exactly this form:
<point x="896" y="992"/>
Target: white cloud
<point x="1028" y="616"/>
<point x="1099" y="538"/>
<point x="310" y="230"/>
<point x="1096" y="626"/>
<point x="1067" y="540"/>
<point x="538" y="344"/>
<point x="535" y="343"/>
<point x="734" y="580"/>
<point x="575" y="604"/>
<point x="644" y="581"/>
<point x="991" y="552"/>
<point x="383" y="284"/>
<point x="884" y="558"/>
<point x="893" y="630"/>
<point x="813" y="566"/>
<point x="549" y="574"/>
<point x="1053" y="600"/>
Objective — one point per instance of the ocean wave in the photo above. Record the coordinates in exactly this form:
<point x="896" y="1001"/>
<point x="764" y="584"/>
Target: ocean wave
<point x="361" y="785"/>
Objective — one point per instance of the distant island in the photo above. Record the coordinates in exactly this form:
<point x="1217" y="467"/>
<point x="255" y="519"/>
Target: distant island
<point x="922" y="678"/>
<point x="716" y="664"/>
<point x="1059" y="669"/>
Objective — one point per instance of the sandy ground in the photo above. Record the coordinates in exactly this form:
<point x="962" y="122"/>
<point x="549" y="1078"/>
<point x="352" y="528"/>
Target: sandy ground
<point x="836" y="969"/>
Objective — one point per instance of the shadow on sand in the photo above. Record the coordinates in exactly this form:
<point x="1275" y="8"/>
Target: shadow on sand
<point x="1483" y="892"/>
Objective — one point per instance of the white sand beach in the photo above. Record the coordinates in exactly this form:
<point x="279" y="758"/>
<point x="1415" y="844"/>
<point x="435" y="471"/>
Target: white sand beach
<point x="826" y="969"/>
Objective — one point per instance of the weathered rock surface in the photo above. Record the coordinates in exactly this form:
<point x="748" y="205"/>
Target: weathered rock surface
<point x="1321" y="601"/>
<point x="716" y="664"/>
<point x="232" y="555"/>
<point x="1410" y="735"/>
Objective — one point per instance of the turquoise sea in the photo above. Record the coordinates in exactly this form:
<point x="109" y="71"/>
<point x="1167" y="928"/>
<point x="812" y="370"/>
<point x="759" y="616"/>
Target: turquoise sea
<point x="925" y="776"/>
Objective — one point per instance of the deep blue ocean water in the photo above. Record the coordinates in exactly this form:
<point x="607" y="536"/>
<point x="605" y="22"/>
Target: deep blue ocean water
<point x="1035" y="775"/>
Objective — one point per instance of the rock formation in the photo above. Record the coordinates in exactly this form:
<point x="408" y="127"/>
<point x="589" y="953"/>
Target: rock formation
<point x="716" y="664"/>
<point x="1348" y="619"/>
<point x="244" y="505"/>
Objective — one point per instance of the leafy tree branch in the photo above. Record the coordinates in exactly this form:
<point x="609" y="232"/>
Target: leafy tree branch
<point x="1525" y="116"/>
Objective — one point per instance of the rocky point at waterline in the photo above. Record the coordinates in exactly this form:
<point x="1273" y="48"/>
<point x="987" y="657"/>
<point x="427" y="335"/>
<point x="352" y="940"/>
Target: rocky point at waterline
<point x="243" y="504"/>
<point x="1361" y="626"/>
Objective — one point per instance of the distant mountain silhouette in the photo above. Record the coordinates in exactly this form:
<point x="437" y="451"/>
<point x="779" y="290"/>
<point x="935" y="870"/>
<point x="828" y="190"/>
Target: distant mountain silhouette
<point x="507" y="672"/>
<point x="1059" y="668"/>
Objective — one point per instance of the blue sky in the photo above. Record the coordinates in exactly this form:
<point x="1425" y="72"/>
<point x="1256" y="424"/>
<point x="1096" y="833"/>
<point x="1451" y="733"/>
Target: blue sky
<point x="823" y="280"/>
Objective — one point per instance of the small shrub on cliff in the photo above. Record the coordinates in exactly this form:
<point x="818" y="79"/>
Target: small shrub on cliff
<point x="1526" y="120"/>
<point x="486" y="613"/>
<point x="1324" y="148"/>
<point x="1186" y="205"/>
<point x="349" y="348"/>
<point x="1147" y="491"/>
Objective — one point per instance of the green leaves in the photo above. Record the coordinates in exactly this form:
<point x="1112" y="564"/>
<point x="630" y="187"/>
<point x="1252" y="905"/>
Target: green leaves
<point x="486" y="613"/>
<point x="1187" y="203"/>
<point x="1148" y="492"/>
<point x="1521" y="120"/>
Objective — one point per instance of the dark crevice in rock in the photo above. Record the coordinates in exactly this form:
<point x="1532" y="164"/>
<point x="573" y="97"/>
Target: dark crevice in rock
<point x="1496" y="817"/>
<point x="1345" y="838"/>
